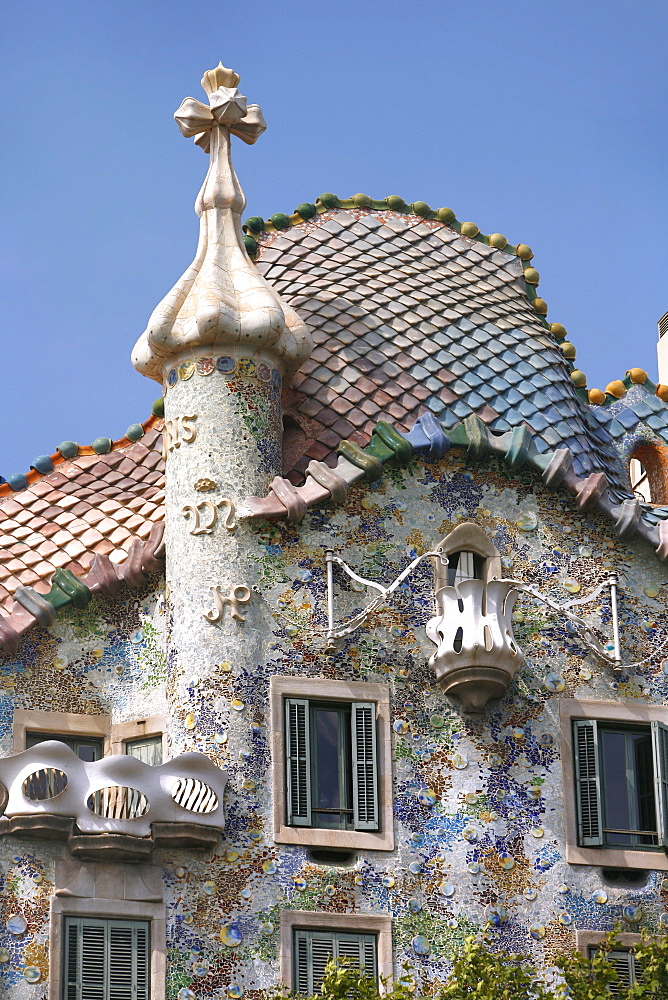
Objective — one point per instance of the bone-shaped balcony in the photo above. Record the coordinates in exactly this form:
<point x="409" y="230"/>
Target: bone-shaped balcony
<point x="118" y="807"/>
<point x="477" y="655"/>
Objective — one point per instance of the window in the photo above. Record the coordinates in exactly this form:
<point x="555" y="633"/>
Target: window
<point x="647" y="472"/>
<point x="310" y="939"/>
<point x="331" y="764"/>
<point x="471" y="556"/>
<point x="313" y="949"/>
<point x="106" y="959"/>
<point x="639" y="480"/>
<point x="31" y="726"/>
<point x="615" y="783"/>
<point x="626" y="967"/>
<point x="86" y="748"/>
<point x="48" y="782"/>
<point x="620" y="802"/>
<point x="464" y="565"/>
<point x="147" y="750"/>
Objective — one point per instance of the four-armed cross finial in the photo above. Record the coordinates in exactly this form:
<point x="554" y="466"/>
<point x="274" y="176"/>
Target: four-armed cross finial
<point x="226" y="107"/>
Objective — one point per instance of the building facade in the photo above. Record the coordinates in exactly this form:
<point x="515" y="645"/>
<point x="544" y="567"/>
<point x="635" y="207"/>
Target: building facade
<point x="357" y="646"/>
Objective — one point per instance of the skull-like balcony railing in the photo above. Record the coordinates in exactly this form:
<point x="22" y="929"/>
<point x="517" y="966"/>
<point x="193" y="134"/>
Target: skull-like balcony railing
<point x="50" y="790"/>
<point x="477" y="655"/>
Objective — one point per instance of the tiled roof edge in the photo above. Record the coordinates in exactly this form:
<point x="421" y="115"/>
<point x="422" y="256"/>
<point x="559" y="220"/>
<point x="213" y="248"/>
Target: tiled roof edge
<point x="515" y="447"/>
<point x="44" y="464"/>
<point x="68" y="590"/>
<point x="617" y="389"/>
<point x="254" y="226"/>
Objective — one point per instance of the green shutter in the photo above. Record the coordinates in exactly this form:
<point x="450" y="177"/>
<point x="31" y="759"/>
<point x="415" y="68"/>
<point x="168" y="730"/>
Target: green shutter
<point x="360" y="950"/>
<point x="365" y="769"/>
<point x="314" y="949"/>
<point x="149" y="751"/>
<point x="301" y="963"/>
<point x="624" y="965"/>
<point x="298" y="762"/>
<point x="588" y="784"/>
<point x="660" y="745"/>
<point x="106" y="959"/>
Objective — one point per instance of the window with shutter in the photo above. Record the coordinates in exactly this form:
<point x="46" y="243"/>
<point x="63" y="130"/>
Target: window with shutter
<point x="331" y="764"/>
<point x="365" y="780"/>
<point x="86" y="748"/>
<point x="588" y="784"/>
<point x="298" y="761"/>
<point x="621" y="776"/>
<point x="625" y="967"/>
<point x="149" y="750"/>
<point x="660" y="745"/>
<point x="464" y="565"/>
<point x="314" y="949"/>
<point x="106" y="959"/>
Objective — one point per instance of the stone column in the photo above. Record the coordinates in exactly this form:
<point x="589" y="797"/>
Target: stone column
<point x="221" y="343"/>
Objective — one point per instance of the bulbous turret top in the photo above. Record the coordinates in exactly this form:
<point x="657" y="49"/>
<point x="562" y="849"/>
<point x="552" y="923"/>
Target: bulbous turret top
<point x="221" y="300"/>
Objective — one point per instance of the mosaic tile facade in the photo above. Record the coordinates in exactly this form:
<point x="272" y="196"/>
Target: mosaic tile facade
<point x="478" y="807"/>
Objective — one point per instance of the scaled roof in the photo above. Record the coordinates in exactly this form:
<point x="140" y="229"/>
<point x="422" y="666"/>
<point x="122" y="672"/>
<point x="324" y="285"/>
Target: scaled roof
<point x="407" y="316"/>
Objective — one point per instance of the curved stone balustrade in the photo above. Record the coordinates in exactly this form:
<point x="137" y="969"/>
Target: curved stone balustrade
<point x="477" y="655"/>
<point x="116" y="795"/>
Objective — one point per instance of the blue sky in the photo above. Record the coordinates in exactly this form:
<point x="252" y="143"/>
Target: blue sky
<point x="544" y="121"/>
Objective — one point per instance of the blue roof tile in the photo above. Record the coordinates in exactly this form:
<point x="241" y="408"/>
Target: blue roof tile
<point x="627" y="418"/>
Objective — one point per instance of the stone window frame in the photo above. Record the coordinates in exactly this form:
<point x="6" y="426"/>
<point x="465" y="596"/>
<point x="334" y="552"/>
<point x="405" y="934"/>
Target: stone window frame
<point x="108" y="909"/>
<point x="624" y="713"/>
<point x="468" y="537"/>
<point x="114" y="735"/>
<point x="320" y="689"/>
<point x="584" y="940"/>
<point x="353" y="923"/>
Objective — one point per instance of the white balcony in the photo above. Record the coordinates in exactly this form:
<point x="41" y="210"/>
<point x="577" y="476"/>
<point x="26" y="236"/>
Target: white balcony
<point x="118" y="806"/>
<point x="477" y="655"/>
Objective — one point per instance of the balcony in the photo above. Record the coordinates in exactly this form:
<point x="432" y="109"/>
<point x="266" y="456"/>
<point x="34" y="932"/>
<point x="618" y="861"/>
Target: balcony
<point x="117" y="808"/>
<point x="477" y="656"/>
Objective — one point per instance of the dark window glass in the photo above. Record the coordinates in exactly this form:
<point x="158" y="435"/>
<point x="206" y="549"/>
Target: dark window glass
<point x="464" y="566"/>
<point x="86" y="748"/>
<point x="330" y="762"/>
<point x="629" y="809"/>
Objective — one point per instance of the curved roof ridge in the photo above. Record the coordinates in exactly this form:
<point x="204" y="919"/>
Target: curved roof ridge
<point x="44" y="464"/>
<point x="255" y="226"/>
<point x="429" y="437"/>
<point x="618" y="388"/>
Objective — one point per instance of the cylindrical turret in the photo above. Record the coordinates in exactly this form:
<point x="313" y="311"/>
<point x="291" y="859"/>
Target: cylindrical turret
<point x="221" y="343"/>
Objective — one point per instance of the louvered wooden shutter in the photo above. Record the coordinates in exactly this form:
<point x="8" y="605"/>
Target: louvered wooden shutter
<point x="106" y="959"/>
<point x="365" y="768"/>
<point x="660" y="745"/>
<point x="588" y="783"/>
<point x="301" y="964"/>
<point x="298" y="762"/>
<point x="314" y="949"/>
<point x="624" y="966"/>
<point x="360" y="950"/>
